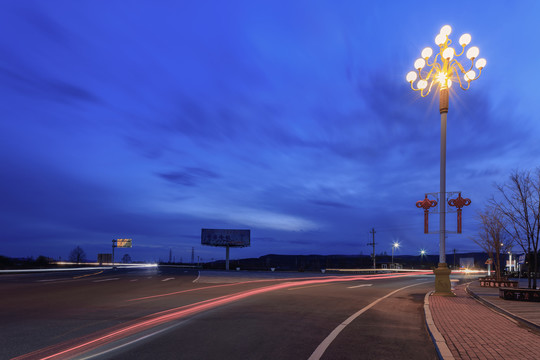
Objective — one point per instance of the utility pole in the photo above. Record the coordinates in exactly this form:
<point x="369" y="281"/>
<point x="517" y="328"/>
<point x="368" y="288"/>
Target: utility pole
<point x="192" y="255"/>
<point x="454" y="259"/>
<point x="373" y="243"/>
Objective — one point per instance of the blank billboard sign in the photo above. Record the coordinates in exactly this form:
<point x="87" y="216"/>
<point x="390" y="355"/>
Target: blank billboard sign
<point x="225" y="237"/>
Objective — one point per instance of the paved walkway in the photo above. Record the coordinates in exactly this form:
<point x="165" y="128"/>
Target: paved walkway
<point x="464" y="328"/>
<point x="528" y="312"/>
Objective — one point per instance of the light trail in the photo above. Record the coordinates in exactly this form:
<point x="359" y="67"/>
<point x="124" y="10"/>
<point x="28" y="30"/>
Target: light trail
<point x="76" y="347"/>
<point x="352" y="277"/>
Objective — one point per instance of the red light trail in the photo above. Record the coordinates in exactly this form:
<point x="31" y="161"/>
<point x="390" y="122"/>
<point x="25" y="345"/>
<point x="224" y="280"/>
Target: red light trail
<point x="93" y="341"/>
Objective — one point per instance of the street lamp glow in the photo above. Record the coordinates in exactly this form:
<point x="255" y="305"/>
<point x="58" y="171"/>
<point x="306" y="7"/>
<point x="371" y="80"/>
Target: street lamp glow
<point x="427" y="52"/>
<point x="440" y="39"/>
<point x="395" y="245"/>
<point x="446" y="30"/>
<point x="411" y="76"/>
<point x="470" y="75"/>
<point x="480" y="63"/>
<point x="473" y="53"/>
<point x="419" y="64"/>
<point x="465" y="40"/>
<point x="448" y="53"/>
<point x="446" y="62"/>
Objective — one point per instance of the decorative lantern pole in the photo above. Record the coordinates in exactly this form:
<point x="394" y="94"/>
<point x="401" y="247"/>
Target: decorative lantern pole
<point x="442" y="71"/>
<point x="459" y="202"/>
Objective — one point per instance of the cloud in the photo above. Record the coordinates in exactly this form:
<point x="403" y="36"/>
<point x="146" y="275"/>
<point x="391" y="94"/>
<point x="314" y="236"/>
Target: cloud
<point x="191" y="176"/>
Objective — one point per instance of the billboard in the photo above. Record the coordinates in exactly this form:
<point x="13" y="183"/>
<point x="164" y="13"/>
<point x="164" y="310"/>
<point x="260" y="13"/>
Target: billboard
<point x="225" y="237"/>
<point x="123" y="243"/>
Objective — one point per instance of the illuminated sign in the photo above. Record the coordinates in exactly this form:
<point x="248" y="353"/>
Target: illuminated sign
<point x="225" y="237"/>
<point x="123" y="243"/>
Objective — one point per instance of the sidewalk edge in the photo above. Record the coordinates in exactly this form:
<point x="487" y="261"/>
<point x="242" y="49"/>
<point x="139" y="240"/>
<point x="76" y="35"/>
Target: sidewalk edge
<point x="489" y="304"/>
<point x="438" y="340"/>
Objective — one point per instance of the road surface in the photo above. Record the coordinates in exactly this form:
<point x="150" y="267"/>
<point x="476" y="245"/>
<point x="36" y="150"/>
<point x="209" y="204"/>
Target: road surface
<point x="178" y="313"/>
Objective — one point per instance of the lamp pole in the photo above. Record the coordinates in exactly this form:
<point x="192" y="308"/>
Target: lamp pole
<point x="394" y="246"/>
<point x="440" y="72"/>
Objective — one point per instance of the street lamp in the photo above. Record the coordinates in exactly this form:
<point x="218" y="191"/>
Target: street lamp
<point x="422" y="254"/>
<point x="441" y="71"/>
<point x="395" y="245"/>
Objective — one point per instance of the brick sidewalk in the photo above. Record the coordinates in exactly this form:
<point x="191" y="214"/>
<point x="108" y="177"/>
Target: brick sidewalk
<point x="473" y="331"/>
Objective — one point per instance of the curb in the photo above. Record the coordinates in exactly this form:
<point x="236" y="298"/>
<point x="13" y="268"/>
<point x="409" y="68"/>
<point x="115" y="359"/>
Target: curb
<point x="503" y="312"/>
<point x="438" y="340"/>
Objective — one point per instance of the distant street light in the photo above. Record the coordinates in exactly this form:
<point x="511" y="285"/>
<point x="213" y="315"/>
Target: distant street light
<point x="395" y="245"/>
<point x="442" y="72"/>
<point x="422" y="254"/>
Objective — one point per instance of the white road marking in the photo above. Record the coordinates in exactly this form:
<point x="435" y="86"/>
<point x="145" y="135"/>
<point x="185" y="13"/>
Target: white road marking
<point x="319" y="351"/>
<point x="357" y="286"/>
<point x="308" y="286"/>
<point x="197" y="279"/>
<point x="129" y="343"/>
<point x="47" y="280"/>
<point x="134" y="280"/>
<point x="167" y="279"/>
<point x="110" y="279"/>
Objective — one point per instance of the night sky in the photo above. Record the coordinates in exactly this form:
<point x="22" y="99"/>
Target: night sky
<point x="153" y="119"/>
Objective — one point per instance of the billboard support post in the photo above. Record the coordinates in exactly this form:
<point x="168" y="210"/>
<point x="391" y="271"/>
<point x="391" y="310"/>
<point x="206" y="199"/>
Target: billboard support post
<point x="113" y="246"/>
<point x="227" y="258"/>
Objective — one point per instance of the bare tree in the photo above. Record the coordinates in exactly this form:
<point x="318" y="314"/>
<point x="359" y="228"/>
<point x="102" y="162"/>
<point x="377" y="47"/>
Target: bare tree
<point x="520" y="207"/>
<point x="493" y="238"/>
<point x="77" y="255"/>
<point x="126" y="259"/>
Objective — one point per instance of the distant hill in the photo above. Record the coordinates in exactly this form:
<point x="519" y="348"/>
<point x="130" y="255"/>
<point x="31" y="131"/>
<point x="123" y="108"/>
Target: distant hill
<point x="318" y="262"/>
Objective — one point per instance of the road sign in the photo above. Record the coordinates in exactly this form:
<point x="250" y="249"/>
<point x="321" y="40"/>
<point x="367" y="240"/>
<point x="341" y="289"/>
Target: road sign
<point x="521" y="259"/>
<point x="123" y="243"/>
<point x="489" y="261"/>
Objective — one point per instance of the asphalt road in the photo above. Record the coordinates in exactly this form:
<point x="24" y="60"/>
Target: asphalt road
<point x="176" y="313"/>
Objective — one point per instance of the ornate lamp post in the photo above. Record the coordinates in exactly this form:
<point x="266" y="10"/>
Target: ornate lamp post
<point x="442" y="71"/>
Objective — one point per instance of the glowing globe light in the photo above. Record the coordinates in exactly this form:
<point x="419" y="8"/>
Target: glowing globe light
<point x="440" y="39"/>
<point x="465" y="39"/>
<point x="427" y="52"/>
<point x="422" y="84"/>
<point x="446" y="30"/>
<point x="449" y="83"/>
<point x="481" y="63"/>
<point x="419" y="64"/>
<point x="473" y="52"/>
<point x="470" y="75"/>
<point x="411" y="76"/>
<point x="448" y="53"/>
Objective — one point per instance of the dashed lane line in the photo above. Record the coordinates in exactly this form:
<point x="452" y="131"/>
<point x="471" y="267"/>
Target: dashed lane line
<point x="167" y="279"/>
<point x="81" y="276"/>
<point x="197" y="279"/>
<point x="110" y="279"/>
<point x="357" y="286"/>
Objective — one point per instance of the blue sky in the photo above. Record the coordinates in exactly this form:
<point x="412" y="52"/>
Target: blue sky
<point x="151" y="120"/>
